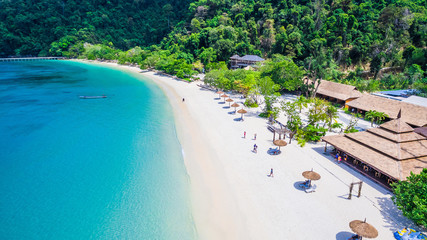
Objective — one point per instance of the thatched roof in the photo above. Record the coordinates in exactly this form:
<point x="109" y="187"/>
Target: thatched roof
<point x="392" y="150"/>
<point x="412" y="114"/>
<point x="339" y="91"/>
<point x="403" y="137"/>
<point x="422" y="131"/>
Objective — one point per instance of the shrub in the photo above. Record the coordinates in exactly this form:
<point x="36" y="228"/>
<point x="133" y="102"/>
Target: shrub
<point x="351" y="130"/>
<point x="251" y="103"/>
<point x="410" y="196"/>
<point x="336" y="125"/>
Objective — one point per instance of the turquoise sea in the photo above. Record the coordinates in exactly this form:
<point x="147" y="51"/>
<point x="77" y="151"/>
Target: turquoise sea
<point x="74" y="168"/>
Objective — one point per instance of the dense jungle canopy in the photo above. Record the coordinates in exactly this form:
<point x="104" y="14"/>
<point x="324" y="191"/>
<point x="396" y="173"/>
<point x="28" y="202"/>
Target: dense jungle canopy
<point x="341" y="40"/>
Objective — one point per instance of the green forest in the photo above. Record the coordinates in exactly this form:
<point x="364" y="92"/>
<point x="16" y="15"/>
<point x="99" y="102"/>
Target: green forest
<point x="373" y="45"/>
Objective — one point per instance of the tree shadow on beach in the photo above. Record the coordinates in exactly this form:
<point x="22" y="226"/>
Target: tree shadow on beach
<point x="393" y="217"/>
<point x="352" y="171"/>
<point x="344" y="235"/>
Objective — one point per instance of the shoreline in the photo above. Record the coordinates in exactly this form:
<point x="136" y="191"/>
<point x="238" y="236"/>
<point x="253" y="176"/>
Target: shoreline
<point x="232" y="196"/>
<point x="213" y="209"/>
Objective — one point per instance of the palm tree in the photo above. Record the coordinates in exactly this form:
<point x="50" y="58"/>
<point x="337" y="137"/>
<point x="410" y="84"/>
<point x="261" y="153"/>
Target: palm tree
<point x="332" y="113"/>
<point x="380" y="116"/>
<point x="376" y="116"/>
<point x="371" y="115"/>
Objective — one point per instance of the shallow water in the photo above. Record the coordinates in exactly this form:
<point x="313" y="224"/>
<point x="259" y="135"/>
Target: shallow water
<point x="74" y="168"/>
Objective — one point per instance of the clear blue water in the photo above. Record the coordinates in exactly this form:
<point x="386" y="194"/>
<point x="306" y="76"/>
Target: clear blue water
<point x="74" y="168"/>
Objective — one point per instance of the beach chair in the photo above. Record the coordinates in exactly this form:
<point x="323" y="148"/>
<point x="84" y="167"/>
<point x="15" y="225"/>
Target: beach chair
<point x="305" y="184"/>
<point x="312" y="189"/>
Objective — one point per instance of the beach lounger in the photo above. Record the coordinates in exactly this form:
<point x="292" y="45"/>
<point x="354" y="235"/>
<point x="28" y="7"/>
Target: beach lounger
<point x="312" y="189"/>
<point x="305" y="184"/>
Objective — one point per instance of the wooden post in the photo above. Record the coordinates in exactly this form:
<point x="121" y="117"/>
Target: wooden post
<point x="360" y="188"/>
<point x="326" y="146"/>
<point x="274" y="136"/>
<point x="351" y="189"/>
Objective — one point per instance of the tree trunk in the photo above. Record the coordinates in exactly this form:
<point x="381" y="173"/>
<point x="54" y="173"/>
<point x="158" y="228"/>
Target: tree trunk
<point x="317" y="87"/>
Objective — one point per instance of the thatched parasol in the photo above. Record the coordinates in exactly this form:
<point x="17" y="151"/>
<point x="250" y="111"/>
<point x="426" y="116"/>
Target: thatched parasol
<point x="235" y="105"/>
<point x="280" y="143"/>
<point x="224" y="96"/>
<point x="311" y="175"/>
<point x="242" y="111"/>
<point x="229" y="101"/>
<point x="219" y="93"/>
<point x="364" y="229"/>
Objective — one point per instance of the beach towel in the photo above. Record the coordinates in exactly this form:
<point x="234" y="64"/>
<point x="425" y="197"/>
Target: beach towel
<point x="409" y="234"/>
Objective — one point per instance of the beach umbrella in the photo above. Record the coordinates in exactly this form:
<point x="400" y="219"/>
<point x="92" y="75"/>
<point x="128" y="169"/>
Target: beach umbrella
<point x="280" y="143"/>
<point x="224" y="96"/>
<point x="363" y="229"/>
<point x="242" y="111"/>
<point x="229" y="101"/>
<point x="219" y="93"/>
<point x="235" y="105"/>
<point x="311" y="175"/>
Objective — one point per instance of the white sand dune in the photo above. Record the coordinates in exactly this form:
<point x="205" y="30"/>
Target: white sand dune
<point x="232" y="196"/>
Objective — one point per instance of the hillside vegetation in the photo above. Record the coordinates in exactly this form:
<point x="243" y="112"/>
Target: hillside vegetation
<point x="354" y="42"/>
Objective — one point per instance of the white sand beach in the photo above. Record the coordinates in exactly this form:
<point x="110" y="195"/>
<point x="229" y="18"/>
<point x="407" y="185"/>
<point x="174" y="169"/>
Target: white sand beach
<point x="234" y="198"/>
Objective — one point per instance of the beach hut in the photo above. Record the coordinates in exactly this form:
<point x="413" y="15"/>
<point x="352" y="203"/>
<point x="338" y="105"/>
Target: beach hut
<point x="414" y="115"/>
<point x="385" y="154"/>
<point x="337" y="92"/>
<point x="241" y="62"/>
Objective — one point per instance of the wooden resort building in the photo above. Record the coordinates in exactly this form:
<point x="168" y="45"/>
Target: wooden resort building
<point x="241" y="62"/>
<point x="414" y="115"/>
<point x="385" y="154"/>
<point x="337" y="92"/>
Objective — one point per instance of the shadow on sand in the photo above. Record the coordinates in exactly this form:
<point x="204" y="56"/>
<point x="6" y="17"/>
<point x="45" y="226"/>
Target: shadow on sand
<point x="343" y="235"/>
<point x="393" y="216"/>
<point x="297" y="187"/>
<point x="355" y="173"/>
<point x="238" y="119"/>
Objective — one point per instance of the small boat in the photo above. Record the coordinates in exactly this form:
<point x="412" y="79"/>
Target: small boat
<point x="93" y="97"/>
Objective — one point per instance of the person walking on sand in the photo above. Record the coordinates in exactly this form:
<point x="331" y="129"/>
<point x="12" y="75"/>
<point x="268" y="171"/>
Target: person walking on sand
<point x="339" y="159"/>
<point x="255" y="148"/>
<point x="183" y="99"/>
<point x="255" y="136"/>
<point x="271" y="173"/>
<point x="244" y="134"/>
